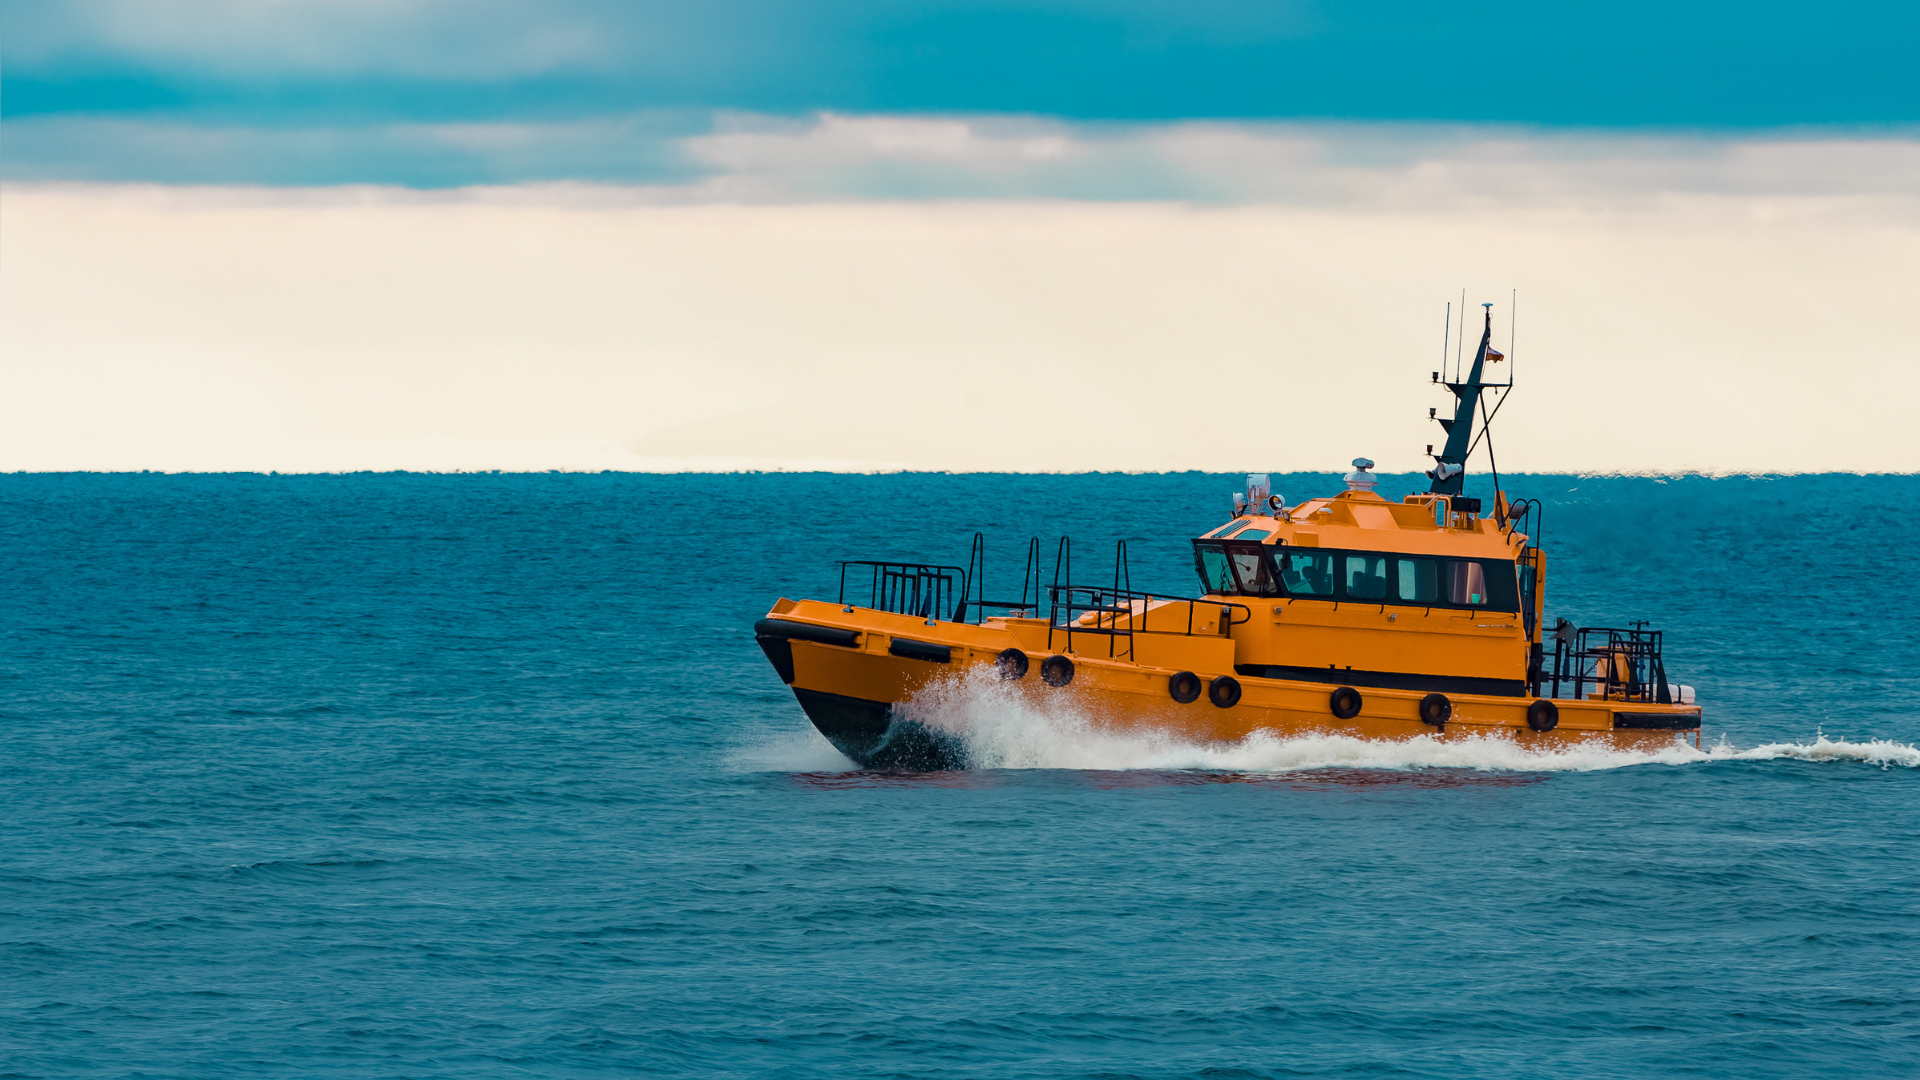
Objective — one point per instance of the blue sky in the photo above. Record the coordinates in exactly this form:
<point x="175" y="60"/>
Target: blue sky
<point x="309" y="92"/>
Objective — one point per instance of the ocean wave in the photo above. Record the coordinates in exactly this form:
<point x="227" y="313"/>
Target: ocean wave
<point x="1002" y="728"/>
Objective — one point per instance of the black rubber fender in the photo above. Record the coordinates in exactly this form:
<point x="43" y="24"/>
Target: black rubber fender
<point x="1224" y="691"/>
<point x="1056" y="670"/>
<point x="1543" y="715"/>
<point x="1345" y="702"/>
<point x="799" y="631"/>
<point x="1184" y="687"/>
<point x="1435" y="709"/>
<point x="921" y="650"/>
<point x="1647" y="721"/>
<point x="1012" y="664"/>
<point x="780" y="652"/>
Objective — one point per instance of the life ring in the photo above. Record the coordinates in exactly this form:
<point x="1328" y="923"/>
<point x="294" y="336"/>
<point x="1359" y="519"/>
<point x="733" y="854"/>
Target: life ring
<point x="1345" y="702"/>
<point x="1184" y="687"/>
<point x="1224" y="691"/>
<point x="1543" y="715"/>
<point x="1435" y="709"/>
<point x="1012" y="664"/>
<point x="1056" y="670"/>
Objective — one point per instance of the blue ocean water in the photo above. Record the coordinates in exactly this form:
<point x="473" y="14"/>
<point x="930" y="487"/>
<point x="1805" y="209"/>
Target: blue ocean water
<point x="484" y="776"/>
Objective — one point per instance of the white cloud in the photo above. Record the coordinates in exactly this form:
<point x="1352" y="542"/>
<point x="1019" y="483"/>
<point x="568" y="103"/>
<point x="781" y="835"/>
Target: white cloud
<point x="596" y="327"/>
<point x="879" y="292"/>
<point x="1385" y="166"/>
<point x="680" y="157"/>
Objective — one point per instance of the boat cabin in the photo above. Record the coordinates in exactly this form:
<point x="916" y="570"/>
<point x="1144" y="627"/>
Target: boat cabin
<point x="1420" y="594"/>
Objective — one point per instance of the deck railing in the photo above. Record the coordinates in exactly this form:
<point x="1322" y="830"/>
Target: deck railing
<point x="1114" y="613"/>
<point x="1619" y="664"/>
<point x="1117" y="614"/>
<point x="925" y="590"/>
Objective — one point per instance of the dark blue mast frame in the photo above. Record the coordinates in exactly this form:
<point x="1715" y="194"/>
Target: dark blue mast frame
<point x="1449" y="474"/>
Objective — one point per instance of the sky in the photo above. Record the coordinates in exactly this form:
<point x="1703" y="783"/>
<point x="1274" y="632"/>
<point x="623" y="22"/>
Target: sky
<point x="302" y="235"/>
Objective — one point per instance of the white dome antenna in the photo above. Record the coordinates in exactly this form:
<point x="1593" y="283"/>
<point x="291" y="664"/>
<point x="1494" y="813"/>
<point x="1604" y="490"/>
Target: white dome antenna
<point x="1361" y="479"/>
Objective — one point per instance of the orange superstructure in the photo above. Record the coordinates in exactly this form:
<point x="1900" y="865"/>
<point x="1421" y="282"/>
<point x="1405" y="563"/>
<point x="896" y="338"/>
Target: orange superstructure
<point x="1348" y="614"/>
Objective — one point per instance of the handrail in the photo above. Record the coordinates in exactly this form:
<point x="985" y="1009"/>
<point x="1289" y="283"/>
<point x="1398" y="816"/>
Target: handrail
<point x="976" y="574"/>
<point x="1100" y="600"/>
<point x="1637" y="650"/>
<point x="920" y="589"/>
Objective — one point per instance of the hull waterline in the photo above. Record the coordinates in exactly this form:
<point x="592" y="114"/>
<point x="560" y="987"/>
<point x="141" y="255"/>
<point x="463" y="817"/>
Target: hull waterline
<point x="848" y="678"/>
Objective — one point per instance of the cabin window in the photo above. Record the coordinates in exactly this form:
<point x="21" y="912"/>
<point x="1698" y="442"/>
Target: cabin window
<point x="1502" y="585"/>
<point x="1468" y="584"/>
<point x="1366" y="577"/>
<point x="1307" y="573"/>
<point x="1216" y="577"/>
<point x="1235" y="569"/>
<point x="1253" y="534"/>
<point x="1483" y="583"/>
<point x="1380" y="577"/>
<point x="1417" y="580"/>
<point x="1251" y="566"/>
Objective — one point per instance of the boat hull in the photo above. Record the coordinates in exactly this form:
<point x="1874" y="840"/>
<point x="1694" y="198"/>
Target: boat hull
<point x="851" y="670"/>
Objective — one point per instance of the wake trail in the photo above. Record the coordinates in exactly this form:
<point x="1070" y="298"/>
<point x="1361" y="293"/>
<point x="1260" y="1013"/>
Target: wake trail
<point x="1003" y="728"/>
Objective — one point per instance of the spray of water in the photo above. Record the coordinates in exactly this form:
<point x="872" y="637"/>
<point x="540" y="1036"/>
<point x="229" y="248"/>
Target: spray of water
<point x="1004" y="728"/>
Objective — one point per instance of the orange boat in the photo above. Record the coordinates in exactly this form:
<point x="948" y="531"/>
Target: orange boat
<point x="1347" y="614"/>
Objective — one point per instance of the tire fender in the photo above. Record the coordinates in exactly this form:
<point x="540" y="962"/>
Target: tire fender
<point x="1224" y="691"/>
<point x="1184" y="687"/>
<point x="1012" y="664"/>
<point x="1345" y="702"/>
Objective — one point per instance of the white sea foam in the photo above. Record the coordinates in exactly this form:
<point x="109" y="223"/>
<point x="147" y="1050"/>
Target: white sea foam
<point x="1006" y="729"/>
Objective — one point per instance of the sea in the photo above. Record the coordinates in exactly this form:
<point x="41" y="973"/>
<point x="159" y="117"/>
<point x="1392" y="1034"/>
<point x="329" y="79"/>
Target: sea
<point x="414" y="775"/>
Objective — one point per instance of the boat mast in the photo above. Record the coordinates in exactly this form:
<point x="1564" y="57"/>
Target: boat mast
<point x="1450" y="471"/>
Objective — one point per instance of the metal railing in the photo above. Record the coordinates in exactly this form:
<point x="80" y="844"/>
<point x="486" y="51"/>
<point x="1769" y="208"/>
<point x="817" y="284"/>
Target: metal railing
<point x="1117" y="614"/>
<point x="930" y="590"/>
<point x="921" y="589"/>
<point x="1620" y="665"/>
<point x="976" y="574"/>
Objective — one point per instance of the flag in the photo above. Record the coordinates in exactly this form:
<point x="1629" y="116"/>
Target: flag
<point x="1494" y="355"/>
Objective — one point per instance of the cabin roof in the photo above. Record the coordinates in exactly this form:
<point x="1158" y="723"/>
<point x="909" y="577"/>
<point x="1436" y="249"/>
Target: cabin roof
<point x="1363" y="521"/>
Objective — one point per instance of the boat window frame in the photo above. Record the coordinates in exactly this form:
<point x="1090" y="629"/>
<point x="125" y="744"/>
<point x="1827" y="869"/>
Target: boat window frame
<point x="1403" y="560"/>
<point x="1264" y="553"/>
<point x="1497" y="572"/>
<point x="1332" y="571"/>
<point x="1345" y="573"/>
<point x="1494" y="571"/>
<point x="1228" y="549"/>
<point x="1201" y="547"/>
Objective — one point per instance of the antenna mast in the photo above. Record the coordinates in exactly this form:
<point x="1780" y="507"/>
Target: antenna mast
<point x="1513" y="329"/>
<point x="1463" y="336"/>
<point x="1449" y="472"/>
